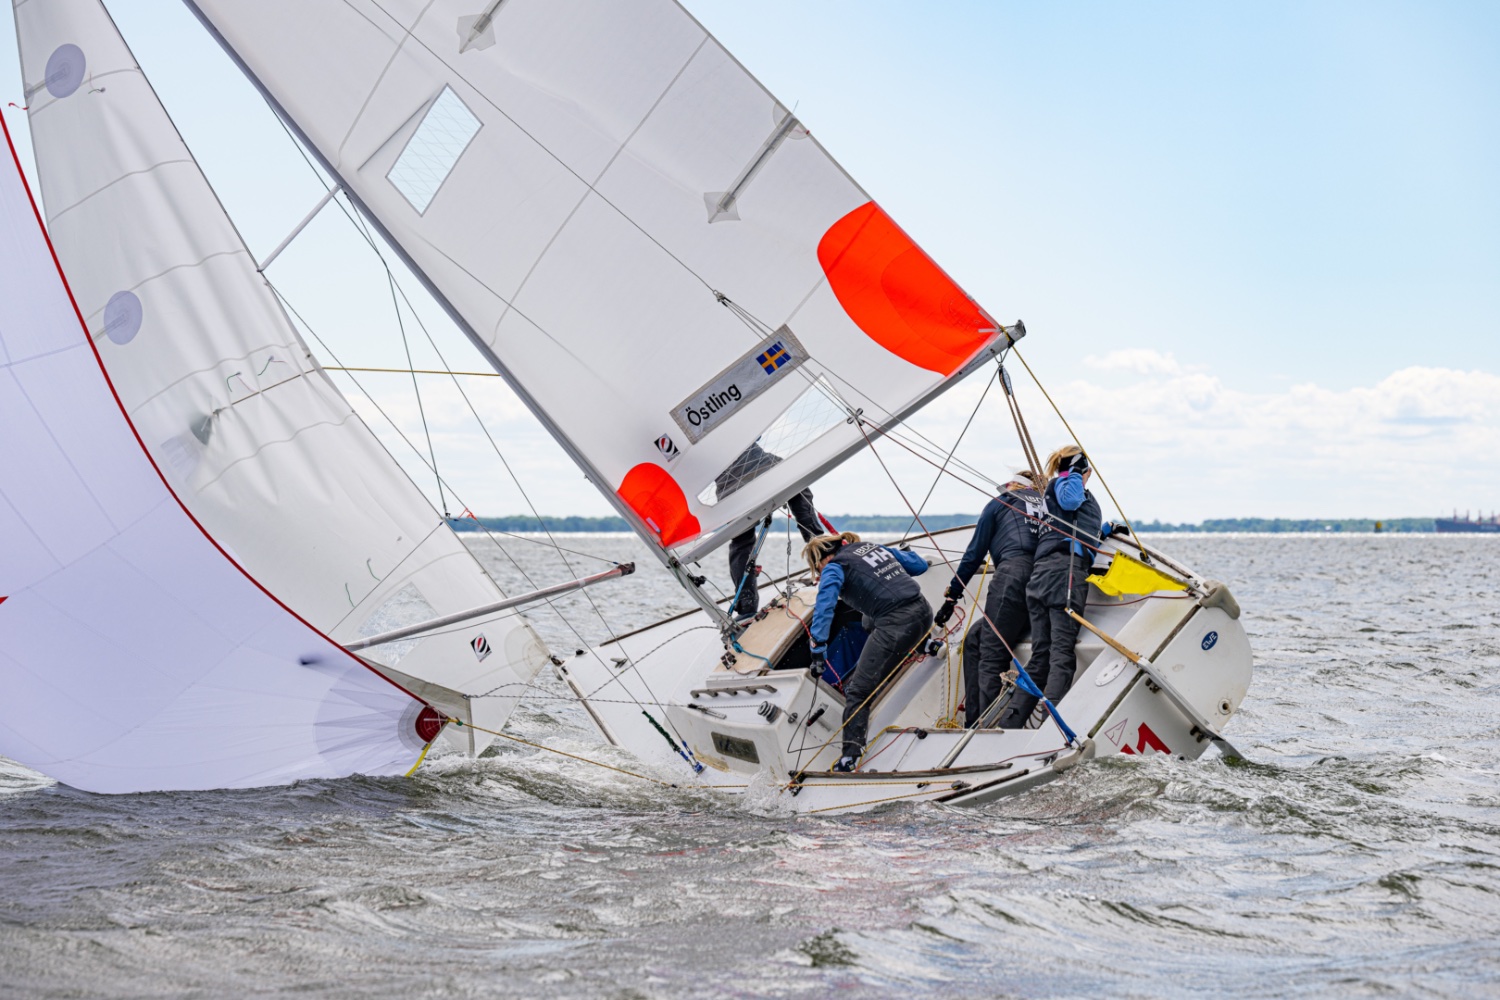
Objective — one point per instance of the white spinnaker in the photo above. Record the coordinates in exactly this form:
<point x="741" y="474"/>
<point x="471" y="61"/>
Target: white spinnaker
<point x="255" y="438"/>
<point x="134" y="654"/>
<point x="576" y="179"/>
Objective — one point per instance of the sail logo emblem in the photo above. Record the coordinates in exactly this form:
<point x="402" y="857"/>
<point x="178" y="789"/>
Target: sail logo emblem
<point x="730" y="391"/>
<point x="481" y="646"/>
<point x="1209" y="640"/>
<point x="667" y="448"/>
<point x="774" y="357"/>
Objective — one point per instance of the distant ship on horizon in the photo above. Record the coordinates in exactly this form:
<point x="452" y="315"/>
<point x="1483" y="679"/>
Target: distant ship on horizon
<point x="1467" y="524"/>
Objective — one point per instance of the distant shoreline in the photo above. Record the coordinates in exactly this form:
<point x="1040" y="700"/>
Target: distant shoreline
<point x="935" y="522"/>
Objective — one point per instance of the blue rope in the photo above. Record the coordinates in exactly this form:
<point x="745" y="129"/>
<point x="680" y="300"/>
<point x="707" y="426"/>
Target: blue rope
<point x="750" y="566"/>
<point x="1025" y="683"/>
<point x="745" y="577"/>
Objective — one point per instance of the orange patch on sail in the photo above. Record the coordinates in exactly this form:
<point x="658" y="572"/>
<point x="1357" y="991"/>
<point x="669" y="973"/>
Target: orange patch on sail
<point x="897" y="295"/>
<point x="654" y="495"/>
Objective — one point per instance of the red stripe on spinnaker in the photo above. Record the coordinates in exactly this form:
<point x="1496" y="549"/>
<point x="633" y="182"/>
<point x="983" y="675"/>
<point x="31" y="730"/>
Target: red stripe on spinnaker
<point x="654" y="495"/>
<point x="897" y="295"/>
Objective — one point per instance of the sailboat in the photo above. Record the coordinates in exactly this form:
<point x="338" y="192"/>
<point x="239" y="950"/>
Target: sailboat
<point x="613" y="210"/>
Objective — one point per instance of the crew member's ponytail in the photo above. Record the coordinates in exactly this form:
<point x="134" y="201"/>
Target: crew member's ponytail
<point x="1070" y="457"/>
<point x="823" y="546"/>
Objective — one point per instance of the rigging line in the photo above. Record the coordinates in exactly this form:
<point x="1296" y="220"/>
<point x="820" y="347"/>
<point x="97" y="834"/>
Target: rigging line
<point x="1056" y="716"/>
<point x="944" y="467"/>
<point x="763" y="329"/>
<point x="1073" y="434"/>
<point x="636" y="659"/>
<point x="1046" y="517"/>
<point x="898" y="434"/>
<point x="573" y="756"/>
<point x="410" y="371"/>
<point x="389" y="420"/>
<point x="417" y="451"/>
<point x="918" y="518"/>
<point x="598" y="612"/>
<point x="360" y="226"/>
<point x="1023" y="434"/>
<point x="359" y="222"/>
<point x="1028" y="446"/>
<point x="417" y="391"/>
<point x="491" y="532"/>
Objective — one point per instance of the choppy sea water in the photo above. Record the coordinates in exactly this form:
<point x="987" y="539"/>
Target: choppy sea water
<point x="1358" y="855"/>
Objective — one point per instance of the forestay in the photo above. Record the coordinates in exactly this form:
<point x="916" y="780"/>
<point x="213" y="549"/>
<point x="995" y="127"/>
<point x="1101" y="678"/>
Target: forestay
<point x="665" y="263"/>
<point x="252" y="434"/>
<point x="134" y="654"/>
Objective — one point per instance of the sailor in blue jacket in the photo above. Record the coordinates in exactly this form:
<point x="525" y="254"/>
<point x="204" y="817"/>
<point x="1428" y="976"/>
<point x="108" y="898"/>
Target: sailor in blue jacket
<point x="1070" y="534"/>
<point x="1007" y="533"/>
<point x="876" y="581"/>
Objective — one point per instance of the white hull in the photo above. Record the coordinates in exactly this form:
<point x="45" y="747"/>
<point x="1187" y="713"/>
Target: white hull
<point x="749" y="723"/>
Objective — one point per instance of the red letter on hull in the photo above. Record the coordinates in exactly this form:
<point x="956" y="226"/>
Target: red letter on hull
<point x="1146" y="740"/>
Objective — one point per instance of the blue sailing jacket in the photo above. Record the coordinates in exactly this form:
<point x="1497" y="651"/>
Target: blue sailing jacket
<point x="872" y="579"/>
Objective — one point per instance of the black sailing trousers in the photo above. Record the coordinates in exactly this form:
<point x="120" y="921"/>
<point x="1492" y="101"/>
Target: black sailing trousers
<point x="985" y="654"/>
<point x="1058" y="581"/>
<point x="895" y="635"/>
<point x="741" y="545"/>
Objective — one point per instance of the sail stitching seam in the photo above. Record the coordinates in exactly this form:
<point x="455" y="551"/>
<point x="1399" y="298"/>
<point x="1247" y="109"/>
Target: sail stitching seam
<point x="52" y="221"/>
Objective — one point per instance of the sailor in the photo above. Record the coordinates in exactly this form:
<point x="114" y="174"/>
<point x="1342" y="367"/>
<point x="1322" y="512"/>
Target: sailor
<point x="1007" y="533"/>
<point x="1070" y="533"/>
<point x="751" y="462"/>
<point x="876" y="581"/>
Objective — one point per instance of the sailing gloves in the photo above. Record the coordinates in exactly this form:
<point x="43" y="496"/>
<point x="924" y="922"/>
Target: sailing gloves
<point x="944" y="612"/>
<point x="952" y="596"/>
<point x="1109" y="528"/>
<point x="815" y="669"/>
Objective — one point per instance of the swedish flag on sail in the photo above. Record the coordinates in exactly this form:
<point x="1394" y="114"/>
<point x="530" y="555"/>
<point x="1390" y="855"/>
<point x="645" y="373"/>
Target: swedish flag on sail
<point x="1131" y="576"/>
<point x="773" y="358"/>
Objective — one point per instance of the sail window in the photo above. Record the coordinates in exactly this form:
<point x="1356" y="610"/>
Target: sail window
<point x="433" y="149"/>
<point x="814" y="413"/>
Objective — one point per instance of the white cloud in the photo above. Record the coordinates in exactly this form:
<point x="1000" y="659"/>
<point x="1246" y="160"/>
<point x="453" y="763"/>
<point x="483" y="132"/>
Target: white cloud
<point x="1174" y="443"/>
<point x="1136" y="360"/>
<point x="1186" y="447"/>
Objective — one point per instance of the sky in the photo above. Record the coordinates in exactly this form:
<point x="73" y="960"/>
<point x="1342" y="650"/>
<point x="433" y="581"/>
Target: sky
<point x="1256" y="245"/>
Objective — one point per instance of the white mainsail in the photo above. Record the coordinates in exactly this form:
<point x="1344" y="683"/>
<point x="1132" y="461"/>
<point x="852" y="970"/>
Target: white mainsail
<point x="256" y="440"/>
<point x="135" y="654"/>
<point x="653" y="249"/>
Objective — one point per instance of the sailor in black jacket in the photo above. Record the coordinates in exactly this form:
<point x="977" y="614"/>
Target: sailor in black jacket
<point x="876" y="581"/>
<point x="1007" y="533"/>
<point x="1059" y="580"/>
<point x="750" y="463"/>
